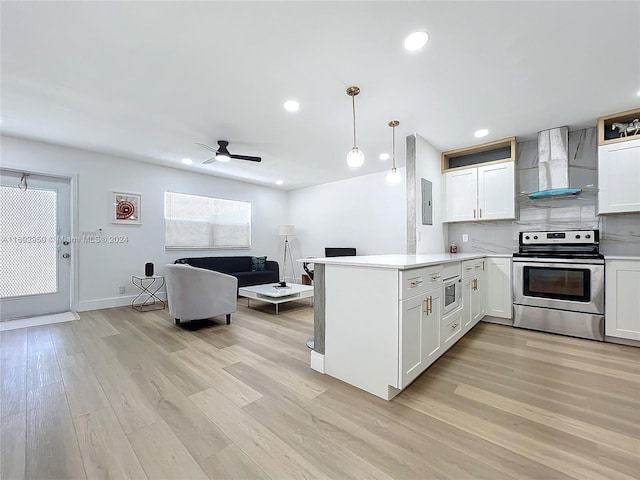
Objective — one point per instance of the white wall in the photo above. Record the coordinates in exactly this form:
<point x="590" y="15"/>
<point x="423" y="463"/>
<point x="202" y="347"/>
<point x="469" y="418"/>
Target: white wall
<point x="102" y="268"/>
<point x="430" y="238"/>
<point x="362" y="212"/>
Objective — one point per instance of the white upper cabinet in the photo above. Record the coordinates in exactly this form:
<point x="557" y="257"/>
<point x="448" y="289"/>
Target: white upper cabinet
<point x="480" y="193"/>
<point x="461" y="195"/>
<point x="479" y="182"/>
<point x="619" y="177"/>
<point x="496" y="191"/>
<point x="619" y="162"/>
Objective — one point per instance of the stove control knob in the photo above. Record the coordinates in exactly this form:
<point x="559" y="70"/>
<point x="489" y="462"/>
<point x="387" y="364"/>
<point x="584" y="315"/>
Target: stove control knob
<point x="577" y="236"/>
<point x="535" y="237"/>
<point x="527" y="237"/>
<point x="587" y="236"/>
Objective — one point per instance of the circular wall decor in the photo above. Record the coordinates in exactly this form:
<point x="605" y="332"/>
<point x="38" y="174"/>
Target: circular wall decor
<point x="125" y="210"/>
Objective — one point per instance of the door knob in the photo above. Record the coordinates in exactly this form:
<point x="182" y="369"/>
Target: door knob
<point x="65" y="255"/>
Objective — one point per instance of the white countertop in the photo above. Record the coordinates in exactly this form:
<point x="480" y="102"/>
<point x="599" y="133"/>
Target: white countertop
<point x="399" y="261"/>
<point x="621" y="257"/>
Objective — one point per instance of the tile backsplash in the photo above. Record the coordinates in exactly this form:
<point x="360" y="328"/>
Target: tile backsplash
<point x="620" y="234"/>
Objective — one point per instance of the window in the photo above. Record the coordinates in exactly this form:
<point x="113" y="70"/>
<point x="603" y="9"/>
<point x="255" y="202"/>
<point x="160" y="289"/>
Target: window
<point x="195" y="222"/>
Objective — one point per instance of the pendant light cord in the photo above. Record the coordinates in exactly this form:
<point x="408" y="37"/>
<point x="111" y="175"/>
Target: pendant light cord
<point x="353" y="109"/>
<point x="393" y="144"/>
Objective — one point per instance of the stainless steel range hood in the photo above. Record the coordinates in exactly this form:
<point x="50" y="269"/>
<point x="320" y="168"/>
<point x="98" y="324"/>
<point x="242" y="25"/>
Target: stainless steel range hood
<point x="553" y="164"/>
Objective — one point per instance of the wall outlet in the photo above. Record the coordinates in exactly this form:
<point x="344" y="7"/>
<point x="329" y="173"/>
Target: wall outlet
<point x="465" y="237"/>
<point x="121" y="289"/>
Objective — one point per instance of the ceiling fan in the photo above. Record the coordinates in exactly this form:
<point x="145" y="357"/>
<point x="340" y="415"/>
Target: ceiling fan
<point x="223" y="155"/>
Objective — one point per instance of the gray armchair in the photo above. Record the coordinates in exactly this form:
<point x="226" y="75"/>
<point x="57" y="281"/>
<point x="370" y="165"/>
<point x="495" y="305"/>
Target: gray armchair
<point x="196" y="293"/>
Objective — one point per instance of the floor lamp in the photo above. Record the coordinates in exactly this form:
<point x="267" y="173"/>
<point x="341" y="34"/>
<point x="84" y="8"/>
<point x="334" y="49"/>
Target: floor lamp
<point x="286" y="231"/>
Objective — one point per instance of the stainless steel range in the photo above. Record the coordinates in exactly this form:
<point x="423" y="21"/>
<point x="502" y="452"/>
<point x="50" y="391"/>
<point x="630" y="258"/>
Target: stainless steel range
<point x="558" y="283"/>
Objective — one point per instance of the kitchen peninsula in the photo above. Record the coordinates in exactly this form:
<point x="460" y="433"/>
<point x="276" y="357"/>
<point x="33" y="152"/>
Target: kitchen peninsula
<point x="381" y="320"/>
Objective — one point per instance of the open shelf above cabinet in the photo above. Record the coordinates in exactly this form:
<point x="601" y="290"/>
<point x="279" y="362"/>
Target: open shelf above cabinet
<point x="619" y="127"/>
<point x="487" y="153"/>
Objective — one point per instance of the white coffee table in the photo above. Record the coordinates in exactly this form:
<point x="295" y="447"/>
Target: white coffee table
<point x="270" y="294"/>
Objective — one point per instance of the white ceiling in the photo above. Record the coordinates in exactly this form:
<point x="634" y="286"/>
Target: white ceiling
<point x="146" y="80"/>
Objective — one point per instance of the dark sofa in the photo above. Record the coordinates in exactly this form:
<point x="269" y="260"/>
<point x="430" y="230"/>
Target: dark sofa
<point x="239" y="267"/>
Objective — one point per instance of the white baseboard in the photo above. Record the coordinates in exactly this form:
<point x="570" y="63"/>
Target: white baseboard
<point x="317" y="361"/>
<point x="121" y="301"/>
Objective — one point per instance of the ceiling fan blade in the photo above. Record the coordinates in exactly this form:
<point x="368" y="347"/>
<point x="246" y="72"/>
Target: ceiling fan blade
<point x="211" y="160"/>
<point x="207" y="147"/>
<point x="246" y="157"/>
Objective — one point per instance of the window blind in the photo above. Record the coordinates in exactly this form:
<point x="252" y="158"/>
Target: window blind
<point x="197" y="222"/>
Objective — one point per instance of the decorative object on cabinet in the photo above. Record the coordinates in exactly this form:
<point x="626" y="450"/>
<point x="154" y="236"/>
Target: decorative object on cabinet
<point x="619" y="127"/>
<point x="125" y="208"/>
<point x="355" y="157"/>
<point x="493" y="152"/>
<point x="393" y="176"/>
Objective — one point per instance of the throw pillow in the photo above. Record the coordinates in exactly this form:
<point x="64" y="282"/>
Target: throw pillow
<point x="258" y="264"/>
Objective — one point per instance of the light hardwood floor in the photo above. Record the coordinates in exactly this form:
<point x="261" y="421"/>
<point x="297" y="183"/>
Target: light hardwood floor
<point x="122" y="394"/>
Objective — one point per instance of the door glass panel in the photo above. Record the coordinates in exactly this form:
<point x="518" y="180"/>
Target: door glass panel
<point x="28" y="264"/>
<point x="558" y="283"/>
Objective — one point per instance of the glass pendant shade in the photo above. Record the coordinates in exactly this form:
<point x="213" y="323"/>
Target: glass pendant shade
<point x="393" y="176"/>
<point x="221" y="157"/>
<point x="355" y="158"/>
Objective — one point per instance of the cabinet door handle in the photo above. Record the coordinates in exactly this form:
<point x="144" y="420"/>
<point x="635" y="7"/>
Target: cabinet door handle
<point x="429" y="305"/>
<point x="474" y="213"/>
<point x="480" y="213"/>
<point x="425" y="306"/>
<point x="415" y="283"/>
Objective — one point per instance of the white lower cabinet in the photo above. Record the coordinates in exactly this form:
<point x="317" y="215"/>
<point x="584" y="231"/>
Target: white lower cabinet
<point x="473" y="301"/>
<point x="419" y="341"/>
<point x="499" y="297"/>
<point x="451" y="329"/>
<point x="622" y="299"/>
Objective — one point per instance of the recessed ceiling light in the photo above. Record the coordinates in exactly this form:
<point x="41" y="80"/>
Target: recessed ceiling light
<point x="483" y="132"/>
<point x="385" y="156"/>
<point x="187" y="161"/>
<point x="291" y="106"/>
<point x="416" y="41"/>
<point x="279" y="182"/>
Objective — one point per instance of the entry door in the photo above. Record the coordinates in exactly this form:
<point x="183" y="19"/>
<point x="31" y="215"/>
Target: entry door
<point x="35" y="265"/>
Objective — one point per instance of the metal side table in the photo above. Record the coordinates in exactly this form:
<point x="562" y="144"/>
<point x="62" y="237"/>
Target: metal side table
<point x="147" y="299"/>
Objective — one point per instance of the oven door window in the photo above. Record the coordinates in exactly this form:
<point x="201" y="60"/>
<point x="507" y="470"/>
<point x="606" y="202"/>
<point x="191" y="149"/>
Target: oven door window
<point x="559" y="283"/>
<point x="450" y="295"/>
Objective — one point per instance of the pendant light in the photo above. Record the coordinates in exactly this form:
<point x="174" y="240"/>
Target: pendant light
<point x="393" y="176"/>
<point x="355" y="157"/>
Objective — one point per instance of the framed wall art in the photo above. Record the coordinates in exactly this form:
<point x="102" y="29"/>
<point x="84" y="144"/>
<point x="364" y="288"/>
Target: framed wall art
<point x="125" y="208"/>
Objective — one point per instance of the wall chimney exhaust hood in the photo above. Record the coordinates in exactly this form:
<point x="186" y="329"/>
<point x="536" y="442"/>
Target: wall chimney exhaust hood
<point x="553" y="164"/>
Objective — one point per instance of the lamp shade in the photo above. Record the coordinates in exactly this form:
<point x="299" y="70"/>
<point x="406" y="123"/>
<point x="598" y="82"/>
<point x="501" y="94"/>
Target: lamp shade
<point x="285" y="230"/>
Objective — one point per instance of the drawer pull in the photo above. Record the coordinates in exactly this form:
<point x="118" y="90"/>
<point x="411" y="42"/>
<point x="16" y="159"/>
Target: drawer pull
<point x="468" y="268"/>
<point x="454" y="326"/>
<point x="435" y="277"/>
<point x="415" y="283"/>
